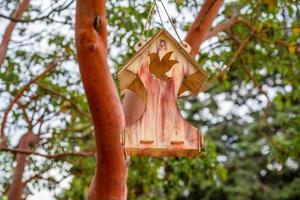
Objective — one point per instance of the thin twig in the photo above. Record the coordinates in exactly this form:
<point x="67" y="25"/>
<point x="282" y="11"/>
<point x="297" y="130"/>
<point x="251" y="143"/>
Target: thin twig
<point x="222" y="26"/>
<point x="19" y="94"/>
<point x="56" y="93"/>
<point x="50" y="156"/>
<point x="57" y="9"/>
<point x="25" y="115"/>
<point x="256" y="83"/>
<point x="263" y="116"/>
<point x="229" y="64"/>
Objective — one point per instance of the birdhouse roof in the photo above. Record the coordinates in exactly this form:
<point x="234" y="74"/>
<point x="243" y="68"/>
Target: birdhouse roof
<point x="196" y="80"/>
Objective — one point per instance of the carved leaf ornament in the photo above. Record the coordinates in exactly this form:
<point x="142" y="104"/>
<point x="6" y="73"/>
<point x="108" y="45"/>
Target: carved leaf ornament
<point x="160" y="67"/>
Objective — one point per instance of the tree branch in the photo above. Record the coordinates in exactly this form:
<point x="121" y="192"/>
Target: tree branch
<point x="19" y="94"/>
<point x="263" y="116"/>
<point x="256" y="83"/>
<point x="202" y="24"/>
<point x="18" y="19"/>
<point x="25" y="115"/>
<point x="56" y="93"/>
<point x="229" y="64"/>
<point x="50" y="156"/>
<point x="9" y="29"/>
<point x="222" y="27"/>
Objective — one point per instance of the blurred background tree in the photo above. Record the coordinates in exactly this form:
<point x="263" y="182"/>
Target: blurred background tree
<point x="249" y="112"/>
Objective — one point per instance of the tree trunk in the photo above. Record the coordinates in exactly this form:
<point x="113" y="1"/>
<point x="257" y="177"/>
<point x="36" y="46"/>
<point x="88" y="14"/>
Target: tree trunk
<point x="109" y="181"/>
<point x="27" y="142"/>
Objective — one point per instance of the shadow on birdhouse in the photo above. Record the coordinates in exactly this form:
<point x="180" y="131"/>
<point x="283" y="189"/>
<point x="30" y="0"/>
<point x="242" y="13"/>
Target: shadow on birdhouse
<point x="158" y="73"/>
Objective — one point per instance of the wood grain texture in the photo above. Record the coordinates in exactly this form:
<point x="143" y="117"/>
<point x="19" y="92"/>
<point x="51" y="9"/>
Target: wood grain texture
<point x="162" y="43"/>
<point x="158" y="74"/>
<point x="161" y="131"/>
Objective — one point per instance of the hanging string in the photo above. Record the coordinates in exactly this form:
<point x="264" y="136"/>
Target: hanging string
<point x="160" y="18"/>
<point x="173" y="25"/>
<point x="148" y="30"/>
<point x="149" y="17"/>
<point x="150" y="20"/>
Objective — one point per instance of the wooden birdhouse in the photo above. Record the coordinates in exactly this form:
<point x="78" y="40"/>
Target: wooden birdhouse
<point x="158" y="73"/>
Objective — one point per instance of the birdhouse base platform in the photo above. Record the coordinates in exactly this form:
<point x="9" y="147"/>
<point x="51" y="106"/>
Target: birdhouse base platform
<point x="190" y="153"/>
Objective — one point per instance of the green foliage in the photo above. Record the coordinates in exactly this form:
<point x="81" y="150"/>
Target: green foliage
<point x="252" y="147"/>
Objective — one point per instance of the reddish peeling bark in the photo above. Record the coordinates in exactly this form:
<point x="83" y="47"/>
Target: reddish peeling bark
<point x="28" y="141"/>
<point x="11" y="26"/>
<point x="202" y="24"/>
<point x="109" y="181"/>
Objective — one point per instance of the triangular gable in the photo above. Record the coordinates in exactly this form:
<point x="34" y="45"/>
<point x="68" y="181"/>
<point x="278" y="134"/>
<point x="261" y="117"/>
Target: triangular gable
<point x="194" y="82"/>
